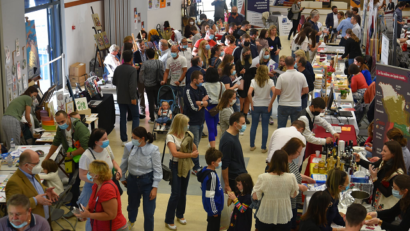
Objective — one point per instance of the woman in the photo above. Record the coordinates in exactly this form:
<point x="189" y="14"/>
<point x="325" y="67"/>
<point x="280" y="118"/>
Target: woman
<point x="11" y="121"/>
<point x="228" y="99"/>
<point x="98" y="149"/>
<point x="336" y="182"/>
<point x="215" y="89"/>
<point x="104" y="207"/>
<point x="216" y="53"/>
<point x="360" y="62"/>
<point x="301" y="41"/>
<point x="301" y="53"/>
<point x="143" y="161"/>
<point x="313" y="45"/>
<point x="187" y="30"/>
<point x="262" y="40"/>
<point x="401" y="188"/>
<point x="383" y="173"/>
<point x="179" y="185"/>
<point x="204" y="52"/>
<point x="358" y="83"/>
<point x="277" y="186"/>
<point x="294" y="148"/>
<point x="230" y="43"/>
<point x="243" y="66"/>
<point x="228" y="59"/>
<point x="352" y="47"/>
<point x="262" y="87"/>
<point x="142" y="34"/>
<point x="296" y="10"/>
<point x="315" y="217"/>
<point x="274" y="43"/>
<point x="229" y="75"/>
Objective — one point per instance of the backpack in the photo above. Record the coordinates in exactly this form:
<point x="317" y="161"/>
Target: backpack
<point x="290" y="13"/>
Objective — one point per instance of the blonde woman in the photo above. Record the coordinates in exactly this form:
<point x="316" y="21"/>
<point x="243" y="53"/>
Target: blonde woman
<point x="204" y="51"/>
<point x="262" y="86"/>
<point x="274" y="43"/>
<point x="243" y="66"/>
<point x="227" y="60"/>
<point x="179" y="185"/>
<point x="265" y="59"/>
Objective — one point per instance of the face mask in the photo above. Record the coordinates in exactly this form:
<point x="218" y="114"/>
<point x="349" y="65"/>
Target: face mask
<point x="192" y="23"/>
<point x="396" y="194"/>
<point x="233" y="102"/>
<point x="222" y="53"/>
<point x="105" y="143"/>
<point x="36" y="169"/>
<point x="174" y="55"/>
<point x="247" y="57"/>
<point x="33" y="97"/>
<point x="19" y="226"/>
<point x="233" y="72"/>
<point x="347" y="187"/>
<point x="135" y="142"/>
<point x="241" y="190"/>
<point x="89" y="177"/>
<point x="296" y="66"/>
<point x="246" y="44"/>
<point x="198" y="84"/>
<point x="219" y="165"/>
<point x="298" y="3"/>
<point x="207" y="47"/>
<point x="187" y="127"/>
<point x="184" y="46"/>
<point x="243" y="128"/>
<point x="315" y="113"/>
<point x="266" y="56"/>
<point x="227" y="42"/>
<point x="233" y="13"/>
<point x="63" y="126"/>
<point x="211" y="36"/>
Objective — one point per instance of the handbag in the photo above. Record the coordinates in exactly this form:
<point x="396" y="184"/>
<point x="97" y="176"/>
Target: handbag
<point x="214" y="111"/>
<point x="166" y="171"/>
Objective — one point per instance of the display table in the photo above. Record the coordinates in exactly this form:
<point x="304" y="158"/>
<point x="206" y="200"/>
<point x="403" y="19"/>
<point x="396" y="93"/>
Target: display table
<point x="106" y="113"/>
<point x="321" y="133"/>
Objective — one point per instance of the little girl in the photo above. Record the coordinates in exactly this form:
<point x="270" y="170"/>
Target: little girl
<point x="164" y="114"/>
<point x="50" y="168"/>
<point x="241" y="219"/>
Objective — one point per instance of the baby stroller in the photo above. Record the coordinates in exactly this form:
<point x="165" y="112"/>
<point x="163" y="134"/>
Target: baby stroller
<point x="166" y="94"/>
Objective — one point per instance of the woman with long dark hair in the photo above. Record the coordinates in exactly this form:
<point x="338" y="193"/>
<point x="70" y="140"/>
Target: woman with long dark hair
<point x="228" y="99"/>
<point x="315" y="217"/>
<point x="301" y="40"/>
<point x="361" y="63"/>
<point x="216" y="53"/>
<point x="262" y="41"/>
<point x="352" y="46"/>
<point x="229" y="75"/>
<point x="243" y="66"/>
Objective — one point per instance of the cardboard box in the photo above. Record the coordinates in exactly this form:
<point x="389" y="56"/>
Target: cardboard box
<point x="85" y="112"/>
<point x="77" y="69"/>
<point x="78" y="79"/>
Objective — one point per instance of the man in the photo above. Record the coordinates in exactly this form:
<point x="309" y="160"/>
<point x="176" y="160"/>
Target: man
<point x="399" y="14"/>
<point x="344" y="25"/>
<point x="231" y="31"/>
<point x="27" y="182"/>
<point x="211" y="23"/>
<point x="355" y="217"/>
<point x="235" y="17"/>
<point x="281" y="136"/>
<point x="139" y="58"/>
<point x="310" y="116"/>
<point x="165" y="52"/>
<point x="196" y="63"/>
<point x="390" y="6"/>
<point x="244" y="27"/>
<point x="233" y="163"/>
<point x="209" y="36"/>
<point x="195" y="101"/>
<point x="357" y="30"/>
<point x="310" y="79"/>
<point x="125" y="79"/>
<point x="151" y="74"/>
<point x="332" y="21"/>
<point x="291" y="85"/>
<point x="71" y="133"/>
<point x="175" y="70"/>
<point x="246" y="42"/>
<point x="220" y="6"/>
<point x="355" y="11"/>
<point x="254" y="34"/>
<point x="314" y="18"/>
<point x="185" y="51"/>
<point x="20" y="216"/>
<point x="195" y="32"/>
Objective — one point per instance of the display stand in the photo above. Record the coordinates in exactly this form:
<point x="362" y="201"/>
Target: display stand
<point x="101" y="52"/>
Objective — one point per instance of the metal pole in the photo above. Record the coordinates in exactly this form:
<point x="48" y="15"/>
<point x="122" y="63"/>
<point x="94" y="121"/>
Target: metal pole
<point x="394" y="38"/>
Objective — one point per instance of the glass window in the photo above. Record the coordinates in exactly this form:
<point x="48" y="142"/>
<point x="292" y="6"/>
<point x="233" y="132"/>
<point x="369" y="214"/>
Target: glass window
<point x="33" y="3"/>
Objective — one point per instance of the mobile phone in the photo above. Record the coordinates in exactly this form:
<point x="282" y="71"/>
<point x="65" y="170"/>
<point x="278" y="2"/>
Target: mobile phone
<point x="81" y="207"/>
<point x="75" y="210"/>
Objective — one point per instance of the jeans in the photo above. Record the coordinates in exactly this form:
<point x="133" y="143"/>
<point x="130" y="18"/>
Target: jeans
<point x="177" y="200"/>
<point x="305" y="98"/>
<point x="272" y="227"/>
<point x="350" y="62"/>
<point x="141" y="96"/>
<point x="137" y="187"/>
<point x="152" y="93"/>
<point x="123" y="119"/>
<point x="369" y="154"/>
<point x="197" y="131"/>
<point x="162" y="120"/>
<point x="179" y="92"/>
<point x="237" y="106"/>
<point x="214" y="223"/>
<point x="84" y="198"/>
<point x="275" y="58"/>
<point x="256" y="113"/>
<point x="211" y="123"/>
<point x="284" y="112"/>
<point x="293" y="221"/>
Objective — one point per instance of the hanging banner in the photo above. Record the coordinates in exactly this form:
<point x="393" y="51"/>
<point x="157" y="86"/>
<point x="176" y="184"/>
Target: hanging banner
<point x="255" y="10"/>
<point x="241" y="7"/>
<point x="385" y="50"/>
<point x="355" y="3"/>
<point x="391" y="104"/>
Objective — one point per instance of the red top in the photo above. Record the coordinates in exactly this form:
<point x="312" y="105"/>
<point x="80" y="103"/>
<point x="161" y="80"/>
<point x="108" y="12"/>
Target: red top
<point x="107" y="192"/>
<point x="358" y="82"/>
<point x="369" y="140"/>
<point x="211" y="43"/>
<point x="229" y="50"/>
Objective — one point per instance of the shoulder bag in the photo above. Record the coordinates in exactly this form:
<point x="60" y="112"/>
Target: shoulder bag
<point x="214" y="111"/>
<point x="166" y="171"/>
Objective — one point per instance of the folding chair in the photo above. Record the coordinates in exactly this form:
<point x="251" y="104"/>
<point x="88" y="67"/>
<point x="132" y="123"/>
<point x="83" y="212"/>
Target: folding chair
<point x="57" y="213"/>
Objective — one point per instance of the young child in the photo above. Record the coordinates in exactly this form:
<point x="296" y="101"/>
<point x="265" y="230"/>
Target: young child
<point x="212" y="193"/>
<point x="50" y="168"/>
<point x="241" y="219"/>
<point x="164" y="114"/>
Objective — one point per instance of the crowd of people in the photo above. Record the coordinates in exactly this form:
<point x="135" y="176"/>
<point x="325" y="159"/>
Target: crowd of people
<point x="215" y="84"/>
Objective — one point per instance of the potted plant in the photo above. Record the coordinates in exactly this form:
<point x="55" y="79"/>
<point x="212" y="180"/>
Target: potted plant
<point x="344" y="92"/>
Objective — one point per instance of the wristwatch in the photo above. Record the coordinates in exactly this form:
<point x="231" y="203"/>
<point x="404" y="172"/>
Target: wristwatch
<point x="202" y="103"/>
<point x="179" y="81"/>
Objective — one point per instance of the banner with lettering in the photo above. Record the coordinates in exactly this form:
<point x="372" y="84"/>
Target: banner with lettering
<point x="355" y="3"/>
<point x="254" y="12"/>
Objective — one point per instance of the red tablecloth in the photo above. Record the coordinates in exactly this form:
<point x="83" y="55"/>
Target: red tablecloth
<point x="321" y="132"/>
<point x="307" y="172"/>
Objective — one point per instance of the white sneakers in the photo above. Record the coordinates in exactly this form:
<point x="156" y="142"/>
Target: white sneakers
<point x="158" y="128"/>
<point x="163" y="128"/>
<point x="171" y="227"/>
<point x="183" y="222"/>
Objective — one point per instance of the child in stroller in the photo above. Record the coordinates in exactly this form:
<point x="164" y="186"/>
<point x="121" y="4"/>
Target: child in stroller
<point x="164" y="115"/>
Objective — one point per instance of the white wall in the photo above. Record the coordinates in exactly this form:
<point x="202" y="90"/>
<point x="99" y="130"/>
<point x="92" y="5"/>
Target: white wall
<point x="142" y="7"/>
<point x="80" y="43"/>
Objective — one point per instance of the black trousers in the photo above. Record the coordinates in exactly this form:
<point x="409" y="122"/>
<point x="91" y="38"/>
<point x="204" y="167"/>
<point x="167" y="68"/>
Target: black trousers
<point x="294" y="30"/>
<point x="75" y="190"/>
<point x="213" y="223"/>
<point x="232" y="184"/>
<point x="152" y="94"/>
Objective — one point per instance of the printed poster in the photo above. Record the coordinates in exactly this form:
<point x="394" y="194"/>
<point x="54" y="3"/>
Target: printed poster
<point x="9" y="95"/>
<point x="33" y="60"/>
<point x="9" y="75"/>
<point x="18" y="70"/>
<point x="168" y="3"/>
<point x="162" y="4"/>
<point x="241" y="7"/>
<point x="17" y="48"/>
<point x="156" y="4"/>
<point x="135" y="12"/>
<point x="150" y="4"/>
<point x="8" y="55"/>
<point x="25" y="81"/>
<point x="285" y="25"/>
<point x="21" y="90"/>
<point x="255" y="10"/>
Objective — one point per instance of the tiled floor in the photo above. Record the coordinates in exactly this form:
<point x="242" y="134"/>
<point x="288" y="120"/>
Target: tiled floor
<point x="195" y="214"/>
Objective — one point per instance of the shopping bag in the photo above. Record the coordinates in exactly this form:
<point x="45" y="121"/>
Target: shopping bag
<point x="226" y="213"/>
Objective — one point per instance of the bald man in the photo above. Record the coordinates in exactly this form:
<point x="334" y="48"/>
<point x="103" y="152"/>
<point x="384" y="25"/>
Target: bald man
<point x="175" y="70"/>
<point x="27" y="182"/>
<point x="235" y="17"/>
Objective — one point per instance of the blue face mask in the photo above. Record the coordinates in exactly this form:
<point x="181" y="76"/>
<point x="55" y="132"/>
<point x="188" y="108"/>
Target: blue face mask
<point x="207" y="47"/>
<point x="174" y="55"/>
<point x="347" y="187"/>
<point x="63" y="126"/>
<point x="187" y="127"/>
<point x="105" y="143"/>
<point x="219" y="165"/>
<point x="266" y="56"/>
<point x="396" y="194"/>
<point x="296" y="66"/>
<point x="199" y="84"/>
<point x="234" y="73"/>
<point x="89" y="177"/>
<point x="243" y="128"/>
<point x="211" y="36"/>
<point x="185" y="46"/>
<point x="19" y="226"/>
<point x="222" y="53"/>
<point x="135" y="142"/>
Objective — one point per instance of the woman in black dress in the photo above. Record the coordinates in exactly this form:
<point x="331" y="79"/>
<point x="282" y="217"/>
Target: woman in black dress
<point x="243" y="66"/>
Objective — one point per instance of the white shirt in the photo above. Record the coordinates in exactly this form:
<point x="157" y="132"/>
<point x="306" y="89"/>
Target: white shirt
<point x="176" y="141"/>
<point x="335" y="21"/>
<point x="188" y="56"/>
<point x="69" y="137"/>
<point x="291" y="83"/>
<point x="261" y="96"/>
<point x="308" y="134"/>
<point x="175" y="69"/>
<point x="86" y="158"/>
<point x="280" y="137"/>
<point x="113" y="63"/>
<point x="304" y="45"/>
<point x="164" y="57"/>
<point x="357" y="30"/>
<point x="53" y="180"/>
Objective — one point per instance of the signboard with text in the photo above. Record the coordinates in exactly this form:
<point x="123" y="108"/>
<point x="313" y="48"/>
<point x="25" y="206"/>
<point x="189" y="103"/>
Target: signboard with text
<point x="255" y="8"/>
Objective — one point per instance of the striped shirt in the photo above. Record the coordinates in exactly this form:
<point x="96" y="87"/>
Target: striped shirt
<point x="293" y="168"/>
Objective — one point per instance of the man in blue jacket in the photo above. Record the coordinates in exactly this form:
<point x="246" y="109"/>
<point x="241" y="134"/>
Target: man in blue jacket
<point x="212" y="193"/>
<point x="196" y="63"/>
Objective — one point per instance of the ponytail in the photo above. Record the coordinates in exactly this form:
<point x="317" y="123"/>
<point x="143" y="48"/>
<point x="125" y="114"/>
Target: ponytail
<point x="141" y="132"/>
<point x="213" y="51"/>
